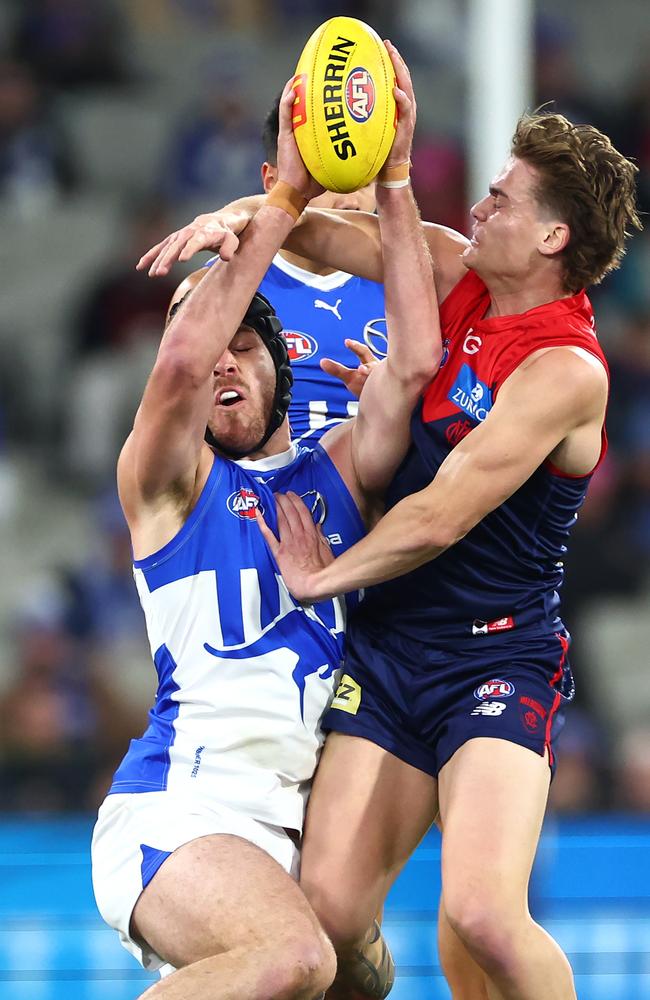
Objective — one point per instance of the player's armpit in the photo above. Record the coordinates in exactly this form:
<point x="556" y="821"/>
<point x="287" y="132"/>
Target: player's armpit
<point x="538" y="407"/>
<point x="446" y="247"/>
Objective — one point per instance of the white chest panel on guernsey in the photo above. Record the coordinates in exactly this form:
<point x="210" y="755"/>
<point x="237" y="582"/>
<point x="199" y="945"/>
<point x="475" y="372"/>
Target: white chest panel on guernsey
<point x="245" y="673"/>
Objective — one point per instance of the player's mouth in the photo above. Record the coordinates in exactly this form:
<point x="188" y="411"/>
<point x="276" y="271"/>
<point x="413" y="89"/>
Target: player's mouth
<point x="229" y="398"/>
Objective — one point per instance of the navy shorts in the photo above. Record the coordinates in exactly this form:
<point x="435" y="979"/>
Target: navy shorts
<point x="421" y="701"/>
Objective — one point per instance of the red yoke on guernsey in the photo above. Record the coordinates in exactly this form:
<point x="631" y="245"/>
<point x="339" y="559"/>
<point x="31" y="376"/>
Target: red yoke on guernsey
<point x="506" y="571"/>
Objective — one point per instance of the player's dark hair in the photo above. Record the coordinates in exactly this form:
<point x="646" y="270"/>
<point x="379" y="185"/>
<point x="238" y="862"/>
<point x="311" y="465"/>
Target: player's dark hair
<point x="271" y="131"/>
<point x="588" y="184"/>
<point x="174" y="309"/>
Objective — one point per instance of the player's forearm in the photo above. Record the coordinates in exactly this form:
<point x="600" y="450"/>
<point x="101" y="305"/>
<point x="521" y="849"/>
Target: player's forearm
<point x="405" y="538"/>
<point x="203" y="328"/>
<point x="411" y="303"/>
<point x="344" y="240"/>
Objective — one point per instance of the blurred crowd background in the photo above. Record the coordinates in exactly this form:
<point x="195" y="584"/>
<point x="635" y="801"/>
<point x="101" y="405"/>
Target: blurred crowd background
<point x="120" y="119"/>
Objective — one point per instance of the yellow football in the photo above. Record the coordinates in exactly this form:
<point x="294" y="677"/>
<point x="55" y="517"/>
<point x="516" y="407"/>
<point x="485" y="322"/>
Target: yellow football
<point x="344" y="112"/>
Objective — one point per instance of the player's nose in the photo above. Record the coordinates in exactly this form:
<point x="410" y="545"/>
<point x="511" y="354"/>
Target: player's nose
<point x="226" y="365"/>
<point x="479" y="209"/>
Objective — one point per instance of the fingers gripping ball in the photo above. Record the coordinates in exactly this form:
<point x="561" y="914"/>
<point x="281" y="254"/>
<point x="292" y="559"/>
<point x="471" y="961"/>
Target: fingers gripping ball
<point x="344" y="114"/>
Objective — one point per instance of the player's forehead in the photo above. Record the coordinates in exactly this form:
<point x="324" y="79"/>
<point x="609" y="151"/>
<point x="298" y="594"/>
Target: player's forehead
<point x="517" y="180"/>
<point x="246" y="335"/>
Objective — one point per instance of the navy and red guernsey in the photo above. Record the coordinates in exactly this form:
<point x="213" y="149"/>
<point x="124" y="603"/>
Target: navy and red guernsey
<point x="506" y="572"/>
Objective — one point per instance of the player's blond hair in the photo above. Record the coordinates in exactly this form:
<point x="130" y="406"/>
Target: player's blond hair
<point x="588" y="184"/>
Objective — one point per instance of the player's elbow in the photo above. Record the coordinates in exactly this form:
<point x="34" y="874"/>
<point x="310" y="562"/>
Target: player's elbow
<point x="415" y="373"/>
<point x="434" y="532"/>
<point x="177" y="370"/>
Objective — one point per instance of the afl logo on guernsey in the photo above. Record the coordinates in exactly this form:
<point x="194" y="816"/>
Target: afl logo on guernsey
<point x="299" y="345"/>
<point x="360" y="94"/>
<point x="244" y="503"/>
<point x="494" y="689"/>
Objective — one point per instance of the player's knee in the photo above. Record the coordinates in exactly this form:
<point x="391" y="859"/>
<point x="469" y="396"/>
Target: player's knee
<point x="305" y="967"/>
<point x="345" y="922"/>
<point x="488" y="931"/>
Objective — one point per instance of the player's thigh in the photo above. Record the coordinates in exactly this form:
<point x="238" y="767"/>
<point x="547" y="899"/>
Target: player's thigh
<point x="367" y="812"/>
<point x="493" y="797"/>
<point x="218" y="893"/>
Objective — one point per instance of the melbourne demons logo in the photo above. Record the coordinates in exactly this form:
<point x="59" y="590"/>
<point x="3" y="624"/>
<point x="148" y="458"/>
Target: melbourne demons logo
<point x="299" y="345"/>
<point x="360" y="94"/>
<point x="458" y="430"/>
<point x="244" y="503"/>
<point x="494" y="689"/>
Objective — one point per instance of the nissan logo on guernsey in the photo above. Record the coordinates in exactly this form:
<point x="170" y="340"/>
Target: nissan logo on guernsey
<point x="375" y="336"/>
<point x="494" y="689"/>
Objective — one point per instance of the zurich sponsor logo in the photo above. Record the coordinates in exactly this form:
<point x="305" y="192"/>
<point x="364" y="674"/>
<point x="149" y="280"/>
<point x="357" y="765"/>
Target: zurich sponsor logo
<point x="360" y="94"/>
<point x="494" y="689"/>
<point x="299" y="345"/>
<point x="244" y="503"/>
<point x="471" y="395"/>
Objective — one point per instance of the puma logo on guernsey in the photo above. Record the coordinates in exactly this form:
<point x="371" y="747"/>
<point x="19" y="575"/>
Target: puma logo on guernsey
<point x="319" y="304"/>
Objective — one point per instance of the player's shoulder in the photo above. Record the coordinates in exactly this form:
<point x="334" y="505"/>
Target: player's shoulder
<point x="568" y="374"/>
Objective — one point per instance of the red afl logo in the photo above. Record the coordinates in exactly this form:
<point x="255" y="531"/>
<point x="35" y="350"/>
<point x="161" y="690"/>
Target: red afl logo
<point x="299" y="345"/>
<point x="494" y="689"/>
<point x="360" y="94"/>
<point x="244" y="503"/>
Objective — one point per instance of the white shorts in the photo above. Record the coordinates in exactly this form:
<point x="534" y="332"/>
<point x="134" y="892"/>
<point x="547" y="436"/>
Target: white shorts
<point x="136" y="832"/>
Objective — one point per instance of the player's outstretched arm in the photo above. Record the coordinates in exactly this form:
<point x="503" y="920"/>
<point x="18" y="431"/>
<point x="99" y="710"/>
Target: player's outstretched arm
<point x="380" y="435"/>
<point x="537" y="408"/>
<point x="163" y="450"/>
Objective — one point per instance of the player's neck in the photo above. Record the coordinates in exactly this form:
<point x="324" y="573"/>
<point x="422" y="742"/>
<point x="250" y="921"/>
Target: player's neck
<point x="278" y="444"/>
<point x="512" y="297"/>
<point x="307" y="265"/>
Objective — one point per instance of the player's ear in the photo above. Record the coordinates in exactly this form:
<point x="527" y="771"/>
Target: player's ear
<point x="269" y="176"/>
<point x="555" y="239"/>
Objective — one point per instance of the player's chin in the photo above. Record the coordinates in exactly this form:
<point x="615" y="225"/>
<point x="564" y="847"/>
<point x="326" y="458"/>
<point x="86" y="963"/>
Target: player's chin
<point x="237" y="433"/>
<point x="470" y="255"/>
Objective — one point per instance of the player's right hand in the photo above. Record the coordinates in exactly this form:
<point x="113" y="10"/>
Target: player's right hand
<point x="215" y="231"/>
<point x="353" y="379"/>
<point x="400" y="151"/>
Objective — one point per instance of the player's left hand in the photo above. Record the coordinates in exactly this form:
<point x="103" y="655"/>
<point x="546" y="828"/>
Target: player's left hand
<point x="291" y="168"/>
<point x="301" y="550"/>
<point x="214" y="231"/>
<point x="353" y="379"/>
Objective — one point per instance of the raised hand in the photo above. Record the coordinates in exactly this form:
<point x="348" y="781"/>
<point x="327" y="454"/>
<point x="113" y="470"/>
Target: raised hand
<point x="301" y="549"/>
<point x="211" y="231"/>
<point x="353" y="379"/>
<point x="406" y="109"/>
<point x="291" y="168"/>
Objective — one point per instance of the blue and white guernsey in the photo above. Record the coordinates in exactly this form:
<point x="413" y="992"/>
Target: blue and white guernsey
<point x="245" y="673"/>
<point x="318" y="312"/>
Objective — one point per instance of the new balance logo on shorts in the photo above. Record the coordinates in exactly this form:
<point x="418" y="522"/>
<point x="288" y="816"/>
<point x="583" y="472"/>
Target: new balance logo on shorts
<point x="490" y="708"/>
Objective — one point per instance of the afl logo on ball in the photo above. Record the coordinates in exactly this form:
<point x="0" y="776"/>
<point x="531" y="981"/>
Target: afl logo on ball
<point x="299" y="345"/>
<point x="244" y="503"/>
<point x="360" y="94"/>
<point x="494" y="689"/>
